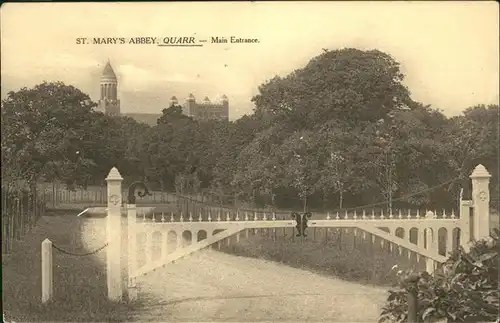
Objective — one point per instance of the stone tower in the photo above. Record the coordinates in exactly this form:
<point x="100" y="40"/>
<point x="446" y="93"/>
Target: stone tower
<point x="108" y="102"/>
<point x="174" y="101"/>
<point x="225" y="107"/>
<point x="206" y="110"/>
<point x="189" y="108"/>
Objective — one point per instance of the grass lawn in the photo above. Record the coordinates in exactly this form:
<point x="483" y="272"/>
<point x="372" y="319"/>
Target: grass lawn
<point x="350" y="259"/>
<point x="80" y="292"/>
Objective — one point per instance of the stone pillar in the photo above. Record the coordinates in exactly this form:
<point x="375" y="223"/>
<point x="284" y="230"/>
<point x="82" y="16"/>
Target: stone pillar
<point x="149" y="248"/>
<point x="113" y="233"/>
<point x="210" y="234"/>
<point x="449" y="241"/>
<point x="421" y="238"/>
<point x="481" y="202"/>
<point x="429" y="237"/>
<point x="465" y="234"/>
<point x="164" y="245"/>
<point x="179" y="241"/>
<point x="47" y="274"/>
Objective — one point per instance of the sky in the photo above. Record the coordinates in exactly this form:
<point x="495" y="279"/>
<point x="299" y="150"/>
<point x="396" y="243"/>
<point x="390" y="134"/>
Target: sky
<point x="449" y="51"/>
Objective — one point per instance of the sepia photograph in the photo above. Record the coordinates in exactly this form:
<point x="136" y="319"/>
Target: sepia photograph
<point x="250" y="161"/>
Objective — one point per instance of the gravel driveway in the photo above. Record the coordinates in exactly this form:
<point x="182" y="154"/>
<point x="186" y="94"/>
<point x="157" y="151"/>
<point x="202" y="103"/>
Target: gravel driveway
<point x="214" y="286"/>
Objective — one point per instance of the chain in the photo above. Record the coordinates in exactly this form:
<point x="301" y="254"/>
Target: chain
<point x="79" y="254"/>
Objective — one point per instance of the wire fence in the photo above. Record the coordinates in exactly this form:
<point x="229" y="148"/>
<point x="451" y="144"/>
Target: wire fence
<point x="21" y="209"/>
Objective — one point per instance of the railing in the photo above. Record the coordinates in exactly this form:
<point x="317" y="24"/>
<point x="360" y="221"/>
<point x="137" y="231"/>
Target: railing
<point x="59" y="196"/>
<point x="21" y="209"/>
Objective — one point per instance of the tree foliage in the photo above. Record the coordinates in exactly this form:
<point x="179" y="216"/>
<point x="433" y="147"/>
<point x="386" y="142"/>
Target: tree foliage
<point x="51" y="132"/>
<point x="467" y="291"/>
<point x="341" y="131"/>
<point x="47" y="132"/>
<point x="348" y="85"/>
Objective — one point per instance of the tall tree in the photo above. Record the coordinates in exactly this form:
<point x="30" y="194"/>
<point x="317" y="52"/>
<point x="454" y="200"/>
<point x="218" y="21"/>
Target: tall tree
<point x="472" y="139"/>
<point x="349" y="85"/>
<point x="47" y="133"/>
<point x="169" y="148"/>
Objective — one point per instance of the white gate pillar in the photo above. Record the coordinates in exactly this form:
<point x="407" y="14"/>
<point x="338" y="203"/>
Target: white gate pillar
<point x="113" y="234"/>
<point x="481" y="202"/>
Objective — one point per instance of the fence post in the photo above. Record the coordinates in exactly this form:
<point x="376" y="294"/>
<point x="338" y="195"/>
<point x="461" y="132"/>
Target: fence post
<point x="17" y="217"/>
<point x="12" y="223"/>
<point x="47" y="278"/>
<point x="465" y="234"/>
<point x="480" y="201"/>
<point x="113" y="233"/>
<point x="412" y="298"/>
<point x="131" y="223"/>
<point x="22" y="216"/>
<point x="429" y="262"/>
<point x="430" y="241"/>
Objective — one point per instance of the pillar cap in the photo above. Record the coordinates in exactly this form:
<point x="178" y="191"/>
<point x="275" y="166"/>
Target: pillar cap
<point x="480" y="172"/>
<point x="114" y="175"/>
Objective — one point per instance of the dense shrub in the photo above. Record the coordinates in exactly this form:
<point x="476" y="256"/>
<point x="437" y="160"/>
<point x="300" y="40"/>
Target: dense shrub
<point x="466" y="291"/>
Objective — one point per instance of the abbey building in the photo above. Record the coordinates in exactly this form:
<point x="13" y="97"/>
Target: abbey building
<point x="204" y="110"/>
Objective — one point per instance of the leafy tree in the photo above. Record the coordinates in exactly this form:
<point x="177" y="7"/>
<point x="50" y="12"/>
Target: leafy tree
<point x="348" y="85"/>
<point x="413" y="145"/>
<point x="187" y="183"/>
<point x="128" y="137"/>
<point x="337" y="162"/>
<point x="258" y="168"/>
<point x="168" y="149"/>
<point x="172" y="114"/>
<point x="472" y="139"/>
<point x="367" y="140"/>
<point x="302" y="164"/>
<point x="47" y="134"/>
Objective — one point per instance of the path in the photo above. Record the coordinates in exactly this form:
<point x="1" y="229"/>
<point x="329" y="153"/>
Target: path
<point x="213" y="286"/>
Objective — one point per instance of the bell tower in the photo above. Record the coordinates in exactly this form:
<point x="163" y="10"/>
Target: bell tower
<point x="108" y="102"/>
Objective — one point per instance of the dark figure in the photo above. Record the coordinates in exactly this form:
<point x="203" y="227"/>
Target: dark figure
<point x="305" y="218"/>
<point x="298" y="218"/>
<point x="301" y="222"/>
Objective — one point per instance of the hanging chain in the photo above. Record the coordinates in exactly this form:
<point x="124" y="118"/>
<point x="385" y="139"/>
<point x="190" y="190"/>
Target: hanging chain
<point x="79" y="254"/>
